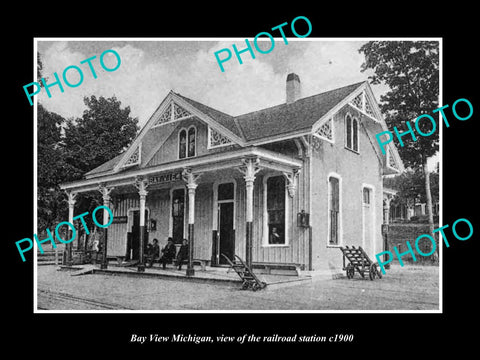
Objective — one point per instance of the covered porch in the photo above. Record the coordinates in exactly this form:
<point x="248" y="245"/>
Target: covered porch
<point x="225" y="218"/>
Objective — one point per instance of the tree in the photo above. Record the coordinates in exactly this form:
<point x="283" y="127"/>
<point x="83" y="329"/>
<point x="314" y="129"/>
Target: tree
<point x="49" y="162"/>
<point x="69" y="148"/>
<point x="103" y="132"/>
<point x="49" y="166"/>
<point x="39" y="69"/>
<point x="410" y="187"/>
<point x="411" y="71"/>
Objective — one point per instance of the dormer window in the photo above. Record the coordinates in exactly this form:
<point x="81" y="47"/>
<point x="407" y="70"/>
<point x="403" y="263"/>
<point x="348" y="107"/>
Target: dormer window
<point x="187" y="142"/>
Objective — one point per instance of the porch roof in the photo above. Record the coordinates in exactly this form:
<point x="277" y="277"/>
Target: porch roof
<point x="211" y="162"/>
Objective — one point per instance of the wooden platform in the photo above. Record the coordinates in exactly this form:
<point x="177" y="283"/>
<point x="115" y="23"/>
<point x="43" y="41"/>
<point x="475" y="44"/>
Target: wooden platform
<point x="219" y="275"/>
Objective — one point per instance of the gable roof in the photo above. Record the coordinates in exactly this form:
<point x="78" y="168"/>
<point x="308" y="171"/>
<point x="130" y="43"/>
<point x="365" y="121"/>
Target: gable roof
<point x="262" y="125"/>
<point x="106" y="166"/>
<point x="222" y="118"/>
<point x="285" y="118"/>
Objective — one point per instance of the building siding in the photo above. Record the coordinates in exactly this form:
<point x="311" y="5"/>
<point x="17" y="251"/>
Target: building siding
<point x="158" y="205"/>
<point x="168" y="152"/>
<point x="311" y="195"/>
<point x="355" y="170"/>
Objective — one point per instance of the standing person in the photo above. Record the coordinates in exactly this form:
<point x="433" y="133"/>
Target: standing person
<point x="168" y="253"/>
<point x="182" y="254"/>
<point x="95" y="247"/>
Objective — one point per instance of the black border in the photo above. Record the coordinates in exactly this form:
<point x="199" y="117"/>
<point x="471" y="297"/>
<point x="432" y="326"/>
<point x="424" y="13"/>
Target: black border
<point x="382" y="334"/>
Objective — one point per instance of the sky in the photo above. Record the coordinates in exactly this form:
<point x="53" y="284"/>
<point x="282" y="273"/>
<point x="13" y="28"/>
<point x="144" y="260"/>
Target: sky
<point x="150" y="69"/>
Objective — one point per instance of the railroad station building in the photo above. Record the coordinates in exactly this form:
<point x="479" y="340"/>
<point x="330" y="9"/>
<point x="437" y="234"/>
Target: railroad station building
<point x="288" y="184"/>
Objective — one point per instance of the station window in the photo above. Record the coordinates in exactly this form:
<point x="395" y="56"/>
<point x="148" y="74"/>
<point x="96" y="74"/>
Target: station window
<point x="276" y="210"/>
<point x="351" y="133"/>
<point x="334" y="210"/>
<point x="187" y="142"/>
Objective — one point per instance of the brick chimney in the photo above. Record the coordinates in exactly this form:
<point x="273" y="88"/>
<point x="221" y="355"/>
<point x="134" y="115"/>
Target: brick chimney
<point x="294" y="89"/>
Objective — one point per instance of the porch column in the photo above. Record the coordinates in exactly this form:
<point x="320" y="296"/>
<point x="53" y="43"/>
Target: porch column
<point x="250" y="168"/>
<point x="71" y="205"/>
<point x="191" y="179"/>
<point x="141" y="185"/>
<point x="386" y="210"/>
<point x="105" y="191"/>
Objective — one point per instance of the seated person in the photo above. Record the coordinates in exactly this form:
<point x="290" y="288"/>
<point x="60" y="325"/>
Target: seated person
<point x="168" y="253"/>
<point x="152" y="252"/>
<point x="275" y="236"/>
<point x="182" y="254"/>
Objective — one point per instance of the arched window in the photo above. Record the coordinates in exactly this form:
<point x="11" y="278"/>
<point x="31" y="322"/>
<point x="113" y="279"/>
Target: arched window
<point x="187" y="142"/>
<point x="182" y="144"/>
<point x="351" y="133"/>
<point x="355" y="134"/>
<point x="191" y="141"/>
<point x="366" y="195"/>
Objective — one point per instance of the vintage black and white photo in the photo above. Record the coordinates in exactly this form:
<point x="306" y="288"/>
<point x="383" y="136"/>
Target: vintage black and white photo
<point x="258" y="188"/>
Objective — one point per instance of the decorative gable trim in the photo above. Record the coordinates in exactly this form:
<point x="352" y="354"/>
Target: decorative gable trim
<point x="208" y="120"/>
<point x="391" y="160"/>
<point x="216" y="139"/>
<point x="363" y="101"/>
<point x="172" y="109"/>
<point x="159" y="112"/>
<point x="173" y="112"/>
<point x="135" y="158"/>
<point x="325" y="131"/>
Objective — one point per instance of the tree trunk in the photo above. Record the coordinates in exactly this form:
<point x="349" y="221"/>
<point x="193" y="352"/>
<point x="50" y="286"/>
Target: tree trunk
<point x="429" y="205"/>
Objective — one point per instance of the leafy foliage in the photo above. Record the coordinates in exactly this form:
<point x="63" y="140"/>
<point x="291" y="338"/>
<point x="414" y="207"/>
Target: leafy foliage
<point x="411" y="70"/>
<point x="411" y="187"/>
<point x="103" y="132"/>
<point x="67" y="149"/>
<point x="49" y="166"/>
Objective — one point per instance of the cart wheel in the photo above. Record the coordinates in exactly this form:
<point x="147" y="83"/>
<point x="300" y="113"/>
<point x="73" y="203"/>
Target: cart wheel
<point x="255" y="286"/>
<point x="245" y="285"/>
<point x="350" y="272"/>
<point x="372" y="272"/>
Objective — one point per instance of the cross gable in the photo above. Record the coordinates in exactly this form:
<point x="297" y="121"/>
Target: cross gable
<point x="363" y="100"/>
<point x="162" y="123"/>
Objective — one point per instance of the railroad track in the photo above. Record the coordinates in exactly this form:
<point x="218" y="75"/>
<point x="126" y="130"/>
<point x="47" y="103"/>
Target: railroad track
<point x="49" y="300"/>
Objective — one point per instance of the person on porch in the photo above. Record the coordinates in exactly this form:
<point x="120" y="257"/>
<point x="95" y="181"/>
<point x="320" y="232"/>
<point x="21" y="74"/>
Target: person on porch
<point x="168" y="253"/>
<point x="153" y="251"/>
<point x="182" y="254"/>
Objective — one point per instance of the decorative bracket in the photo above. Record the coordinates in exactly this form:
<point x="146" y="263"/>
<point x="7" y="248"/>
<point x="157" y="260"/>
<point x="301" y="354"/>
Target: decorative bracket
<point x="250" y="168"/>
<point x="141" y="184"/>
<point x="305" y="140"/>
<point x="292" y="181"/>
<point x="71" y="198"/>
<point x="316" y="143"/>
<point x="105" y="191"/>
<point x="190" y="178"/>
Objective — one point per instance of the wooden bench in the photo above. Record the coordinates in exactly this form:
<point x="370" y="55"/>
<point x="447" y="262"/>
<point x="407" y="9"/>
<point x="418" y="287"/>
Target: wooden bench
<point x="202" y="263"/>
<point x="268" y="267"/>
